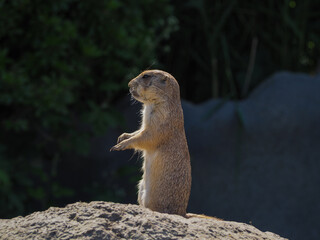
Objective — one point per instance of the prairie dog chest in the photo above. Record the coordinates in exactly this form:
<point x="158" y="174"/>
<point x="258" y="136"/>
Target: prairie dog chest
<point x="147" y="112"/>
<point x="153" y="115"/>
<point x="150" y="117"/>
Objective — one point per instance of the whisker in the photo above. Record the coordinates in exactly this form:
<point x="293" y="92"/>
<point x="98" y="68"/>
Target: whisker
<point x="153" y="63"/>
<point x="134" y="153"/>
<point x="133" y="100"/>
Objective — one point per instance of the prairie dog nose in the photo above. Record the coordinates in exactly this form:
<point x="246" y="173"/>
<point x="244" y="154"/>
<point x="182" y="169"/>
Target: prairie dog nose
<point x="132" y="84"/>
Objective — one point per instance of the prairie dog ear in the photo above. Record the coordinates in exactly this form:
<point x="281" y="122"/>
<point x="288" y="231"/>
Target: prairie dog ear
<point x="164" y="79"/>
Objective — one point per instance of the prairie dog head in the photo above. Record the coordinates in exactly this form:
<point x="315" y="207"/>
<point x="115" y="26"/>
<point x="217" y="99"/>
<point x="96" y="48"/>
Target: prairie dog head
<point x="154" y="86"/>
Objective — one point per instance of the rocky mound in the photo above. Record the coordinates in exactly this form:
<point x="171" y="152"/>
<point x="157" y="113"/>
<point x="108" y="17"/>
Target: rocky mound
<point x="103" y="220"/>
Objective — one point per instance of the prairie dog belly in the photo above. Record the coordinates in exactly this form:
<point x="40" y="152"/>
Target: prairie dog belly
<point x="149" y="178"/>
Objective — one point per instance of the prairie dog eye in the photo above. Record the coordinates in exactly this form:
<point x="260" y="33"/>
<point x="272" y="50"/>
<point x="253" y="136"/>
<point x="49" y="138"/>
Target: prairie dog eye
<point x="146" y="76"/>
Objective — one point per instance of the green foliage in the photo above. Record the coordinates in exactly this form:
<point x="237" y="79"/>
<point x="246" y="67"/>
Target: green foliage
<point x="63" y="63"/>
<point x="226" y="48"/>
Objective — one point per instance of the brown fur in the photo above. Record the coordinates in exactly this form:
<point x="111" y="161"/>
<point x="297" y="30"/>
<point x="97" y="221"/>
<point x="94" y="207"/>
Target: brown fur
<point x="192" y="215"/>
<point x="166" y="182"/>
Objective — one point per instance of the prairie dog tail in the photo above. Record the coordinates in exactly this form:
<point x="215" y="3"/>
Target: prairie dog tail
<point x="192" y="215"/>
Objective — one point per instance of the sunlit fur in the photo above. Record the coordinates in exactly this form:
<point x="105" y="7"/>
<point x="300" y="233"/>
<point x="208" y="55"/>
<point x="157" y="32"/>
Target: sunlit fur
<point x="166" y="182"/>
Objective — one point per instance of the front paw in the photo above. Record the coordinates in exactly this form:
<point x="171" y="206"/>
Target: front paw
<point x="123" y="136"/>
<point x="120" y="146"/>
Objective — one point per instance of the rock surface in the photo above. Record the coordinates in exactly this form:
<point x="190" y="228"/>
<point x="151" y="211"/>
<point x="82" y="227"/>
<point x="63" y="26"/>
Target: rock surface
<point x="104" y="220"/>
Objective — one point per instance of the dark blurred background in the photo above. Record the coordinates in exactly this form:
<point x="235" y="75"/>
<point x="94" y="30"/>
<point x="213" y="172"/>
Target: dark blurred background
<point x="65" y="65"/>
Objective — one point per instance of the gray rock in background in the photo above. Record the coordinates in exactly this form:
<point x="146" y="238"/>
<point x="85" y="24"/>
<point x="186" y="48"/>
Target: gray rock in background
<point x="256" y="160"/>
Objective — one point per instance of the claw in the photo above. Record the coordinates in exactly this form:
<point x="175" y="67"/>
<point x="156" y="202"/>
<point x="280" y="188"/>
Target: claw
<point x="114" y="148"/>
<point x="120" y="146"/>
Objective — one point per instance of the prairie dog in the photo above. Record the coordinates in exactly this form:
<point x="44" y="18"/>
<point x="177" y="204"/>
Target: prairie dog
<point x="166" y="182"/>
